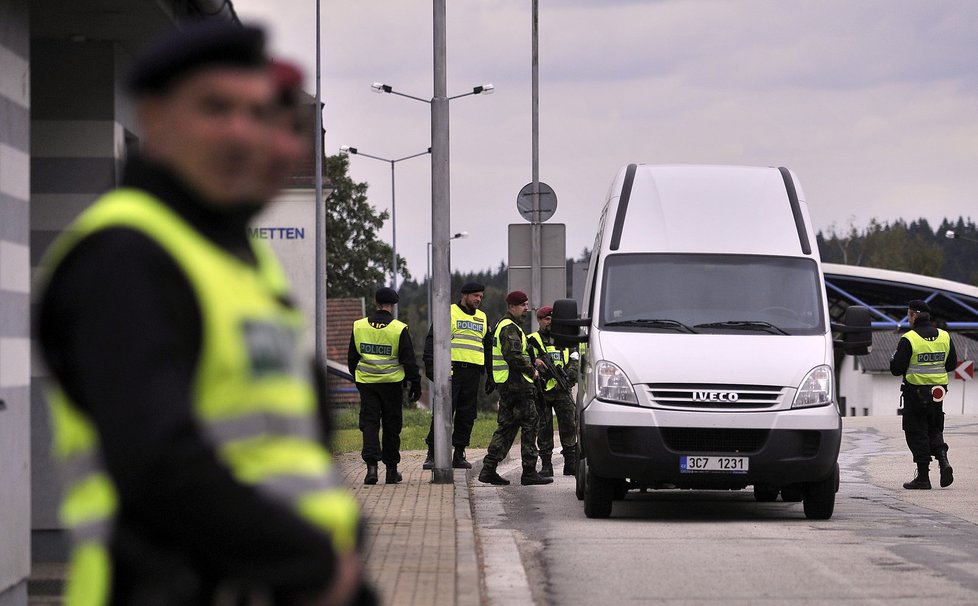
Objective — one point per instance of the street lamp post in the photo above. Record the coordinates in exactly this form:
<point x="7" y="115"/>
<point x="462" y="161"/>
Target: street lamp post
<point x="440" y="217"/>
<point x="427" y="275"/>
<point x="354" y="151"/>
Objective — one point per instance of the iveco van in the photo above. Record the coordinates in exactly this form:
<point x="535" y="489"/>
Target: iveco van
<point x="708" y="359"/>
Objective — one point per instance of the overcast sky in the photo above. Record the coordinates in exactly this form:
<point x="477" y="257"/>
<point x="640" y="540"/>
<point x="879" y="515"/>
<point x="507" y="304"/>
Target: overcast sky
<point x="873" y="104"/>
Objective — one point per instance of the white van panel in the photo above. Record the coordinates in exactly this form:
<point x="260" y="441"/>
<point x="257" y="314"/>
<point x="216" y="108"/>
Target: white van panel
<point x="735" y="210"/>
<point x="714" y="358"/>
<point x="600" y="413"/>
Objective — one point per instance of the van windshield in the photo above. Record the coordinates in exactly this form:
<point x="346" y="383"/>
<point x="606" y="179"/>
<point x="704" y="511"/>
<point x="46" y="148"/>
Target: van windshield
<point x="715" y="294"/>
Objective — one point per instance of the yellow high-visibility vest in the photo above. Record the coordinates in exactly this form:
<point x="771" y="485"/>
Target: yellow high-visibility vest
<point x="500" y="369"/>
<point x="927" y="358"/>
<point x="379" y="350"/>
<point x="467" y="335"/>
<point x="253" y="395"/>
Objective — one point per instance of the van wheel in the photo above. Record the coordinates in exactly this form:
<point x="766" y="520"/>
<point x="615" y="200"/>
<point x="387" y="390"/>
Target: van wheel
<point x="820" y="496"/>
<point x="580" y="475"/>
<point x="765" y="494"/>
<point x="599" y="493"/>
<point x="792" y="494"/>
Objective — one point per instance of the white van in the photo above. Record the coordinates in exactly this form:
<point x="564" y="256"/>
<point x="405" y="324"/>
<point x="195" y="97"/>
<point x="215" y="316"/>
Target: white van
<point x="708" y="362"/>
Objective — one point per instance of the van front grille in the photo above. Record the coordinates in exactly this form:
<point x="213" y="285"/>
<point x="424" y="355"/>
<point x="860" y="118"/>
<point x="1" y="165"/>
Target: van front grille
<point x="714" y="396"/>
<point x="705" y="439"/>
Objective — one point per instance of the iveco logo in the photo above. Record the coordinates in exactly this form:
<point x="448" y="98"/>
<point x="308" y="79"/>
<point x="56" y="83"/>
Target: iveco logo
<point x="715" y="396"/>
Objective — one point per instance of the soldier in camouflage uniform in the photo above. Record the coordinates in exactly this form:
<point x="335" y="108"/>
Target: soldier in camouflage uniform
<point x="552" y="398"/>
<point x="513" y="373"/>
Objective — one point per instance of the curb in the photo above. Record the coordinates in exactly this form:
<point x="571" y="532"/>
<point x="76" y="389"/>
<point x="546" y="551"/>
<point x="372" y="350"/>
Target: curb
<point x="467" y="584"/>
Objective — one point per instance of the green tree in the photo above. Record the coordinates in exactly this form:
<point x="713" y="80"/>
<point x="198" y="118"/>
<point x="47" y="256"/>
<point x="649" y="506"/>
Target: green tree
<point x="903" y="248"/>
<point x="356" y="260"/>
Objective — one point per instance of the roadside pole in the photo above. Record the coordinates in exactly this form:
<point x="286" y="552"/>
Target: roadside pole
<point x="536" y="280"/>
<point x="440" y="211"/>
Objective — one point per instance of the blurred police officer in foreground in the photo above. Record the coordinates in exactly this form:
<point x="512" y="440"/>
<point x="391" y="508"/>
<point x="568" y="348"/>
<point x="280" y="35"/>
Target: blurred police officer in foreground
<point x="924" y="356"/>
<point x="469" y="332"/>
<point x="184" y="413"/>
<point x="514" y="373"/>
<point x="554" y="398"/>
<point x="381" y="358"/>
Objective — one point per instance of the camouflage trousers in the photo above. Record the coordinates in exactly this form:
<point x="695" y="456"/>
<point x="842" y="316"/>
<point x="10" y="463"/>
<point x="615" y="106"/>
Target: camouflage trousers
<point x="517" y="412"/>
<point x="556" y="401"/>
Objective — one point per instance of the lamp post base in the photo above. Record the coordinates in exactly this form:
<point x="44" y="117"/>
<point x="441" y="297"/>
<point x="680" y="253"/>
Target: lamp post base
<point x="442" y="476"/>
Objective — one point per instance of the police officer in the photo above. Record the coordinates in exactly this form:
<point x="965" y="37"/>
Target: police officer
<point x="513" y="373"/>
<point x="924" y="356"/>
<point x="552" y="398"/>
<point x="183" y="412"/>
<point x="382" y="359"/>
<point x="470" y="328"/>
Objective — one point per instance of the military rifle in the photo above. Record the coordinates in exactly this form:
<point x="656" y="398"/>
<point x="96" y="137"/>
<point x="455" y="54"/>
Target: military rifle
<point x="563" y="381"/>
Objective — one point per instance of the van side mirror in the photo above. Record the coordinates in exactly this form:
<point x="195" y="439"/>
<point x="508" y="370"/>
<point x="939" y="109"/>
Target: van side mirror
<point x="857" y="332"/>
<point x="566" y="326"/>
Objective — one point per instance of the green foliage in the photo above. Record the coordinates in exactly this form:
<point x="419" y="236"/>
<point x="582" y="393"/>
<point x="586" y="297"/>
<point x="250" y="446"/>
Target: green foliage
<point x="347" y="437"/>
<point x="357" y="261"/>
<point x="911" y="247"/>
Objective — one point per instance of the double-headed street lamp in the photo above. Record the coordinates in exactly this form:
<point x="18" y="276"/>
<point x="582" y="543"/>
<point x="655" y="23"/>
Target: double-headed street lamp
<point x="440" y="222"/>
<point x="352" y="150"/>
<point x="379" y="87"/>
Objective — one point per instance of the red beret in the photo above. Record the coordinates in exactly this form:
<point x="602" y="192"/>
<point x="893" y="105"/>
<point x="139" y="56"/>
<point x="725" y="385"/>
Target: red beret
<point x="516" y="297"/>
<point x="545" y="311"/>
<point x="288" y="80"/>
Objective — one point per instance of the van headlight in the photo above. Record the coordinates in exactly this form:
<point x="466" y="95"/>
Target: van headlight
<point x="816" y="389"/>
<point x="612" y="385"/>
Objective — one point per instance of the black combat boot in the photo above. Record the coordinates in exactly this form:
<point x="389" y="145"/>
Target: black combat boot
<point x="371" y="477"/>
<point x="570" y="464"/>
<point x="429" y="461"/>
<point x="393" y="475"/>
<point x="489" y="475"/>
<point x="530" y="477"/>
<point x="546" y="466"/>
<point x="947" y="473"/>
<point x="458" y="459"/>
<point x="921" y="481"/>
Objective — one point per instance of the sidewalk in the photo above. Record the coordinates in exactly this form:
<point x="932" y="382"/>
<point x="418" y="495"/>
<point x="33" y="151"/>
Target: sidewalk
<point x="420" y="543"/>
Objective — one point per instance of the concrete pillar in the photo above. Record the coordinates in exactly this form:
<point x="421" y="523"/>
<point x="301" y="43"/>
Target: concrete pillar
<point x="81" y="124"/>
<point x="15" y="345"/>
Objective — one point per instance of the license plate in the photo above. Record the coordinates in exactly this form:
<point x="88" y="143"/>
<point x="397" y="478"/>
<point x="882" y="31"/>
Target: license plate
<point x="706" y="464"/>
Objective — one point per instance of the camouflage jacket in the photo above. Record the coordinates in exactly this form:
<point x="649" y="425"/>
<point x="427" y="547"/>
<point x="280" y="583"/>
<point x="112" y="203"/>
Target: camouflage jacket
<point x="511" y="346"/>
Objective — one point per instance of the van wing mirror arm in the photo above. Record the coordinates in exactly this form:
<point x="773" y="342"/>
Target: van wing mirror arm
<point x="576" y="322"/>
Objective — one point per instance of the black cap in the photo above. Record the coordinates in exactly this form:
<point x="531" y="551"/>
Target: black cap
<point x="386" y="296"/>
<point x="197" y="44"/>
<point x="919" y="306"/>
<point x="470" y="287"/>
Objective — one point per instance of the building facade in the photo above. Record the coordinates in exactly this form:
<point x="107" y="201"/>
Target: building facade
<point x="65" y="125"/>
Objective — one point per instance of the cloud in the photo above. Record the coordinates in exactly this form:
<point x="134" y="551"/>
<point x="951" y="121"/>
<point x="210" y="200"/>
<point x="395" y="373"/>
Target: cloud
<point x="871" y="103"/>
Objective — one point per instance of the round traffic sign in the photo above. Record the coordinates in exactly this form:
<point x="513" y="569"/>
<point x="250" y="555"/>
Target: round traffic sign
<point x="548" y="202"/>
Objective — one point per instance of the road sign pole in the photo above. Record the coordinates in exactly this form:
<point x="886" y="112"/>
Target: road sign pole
<point x="536" y="283"/>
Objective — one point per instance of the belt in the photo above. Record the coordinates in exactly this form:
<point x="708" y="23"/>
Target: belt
<point x="465" y="365"/>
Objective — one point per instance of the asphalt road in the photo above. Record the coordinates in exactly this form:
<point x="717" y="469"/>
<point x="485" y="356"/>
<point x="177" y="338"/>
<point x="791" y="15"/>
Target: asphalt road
<point x="883" y="545"/>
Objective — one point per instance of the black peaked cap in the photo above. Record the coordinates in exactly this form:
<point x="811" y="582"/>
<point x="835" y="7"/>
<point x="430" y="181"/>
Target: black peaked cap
<point x="197" y="44"/>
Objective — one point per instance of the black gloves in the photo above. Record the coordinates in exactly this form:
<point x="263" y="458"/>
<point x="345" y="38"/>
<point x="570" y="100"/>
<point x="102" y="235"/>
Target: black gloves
<point x="490" y="385"/>
<point x="415" y="392"/>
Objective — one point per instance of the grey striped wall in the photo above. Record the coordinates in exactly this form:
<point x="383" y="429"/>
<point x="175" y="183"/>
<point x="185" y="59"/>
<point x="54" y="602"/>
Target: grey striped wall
<point x="79" y="121"/>
<point x="15" y="292"/>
